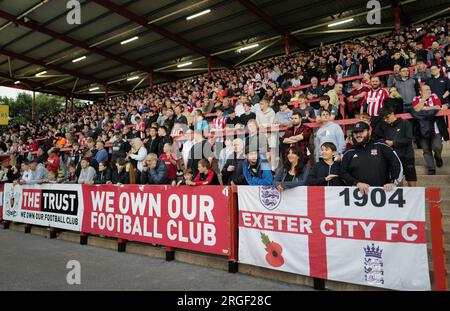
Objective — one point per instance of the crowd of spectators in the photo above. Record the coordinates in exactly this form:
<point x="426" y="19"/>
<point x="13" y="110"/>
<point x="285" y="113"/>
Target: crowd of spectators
<point x="173" y="133"/>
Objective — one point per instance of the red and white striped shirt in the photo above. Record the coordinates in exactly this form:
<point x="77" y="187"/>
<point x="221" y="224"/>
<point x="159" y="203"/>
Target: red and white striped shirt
<point x="375" y="101"/>
<point x="140" y="128"/>
<point x="82" y="141"/>
<point x="219" y="124"/>
<point x="432" y="101"/>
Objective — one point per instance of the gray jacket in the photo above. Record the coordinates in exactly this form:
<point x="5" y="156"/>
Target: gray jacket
<point x="86" y="175"/>
<point x="408" y="89"/>
<point x="35" y="176"/>
<point x="332" y="133"/>
<point x="283" y="117"/>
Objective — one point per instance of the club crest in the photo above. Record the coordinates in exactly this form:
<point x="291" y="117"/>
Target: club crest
<point x="12" y="202"/>
<point x="269" y="197"/>
<point x="373" y="265"/>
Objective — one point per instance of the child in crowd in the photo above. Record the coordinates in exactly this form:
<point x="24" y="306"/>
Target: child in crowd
<point x="187" y="178"/>
<point x="326" y="172"/>
<point x="71" y="177"/>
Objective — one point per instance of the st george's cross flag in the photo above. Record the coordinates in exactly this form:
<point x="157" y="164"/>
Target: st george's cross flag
<point x="337" y="233"/>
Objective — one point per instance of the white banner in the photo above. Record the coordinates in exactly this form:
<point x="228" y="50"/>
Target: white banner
<point x="335" y="233"/>
<point x="58" y="206"/>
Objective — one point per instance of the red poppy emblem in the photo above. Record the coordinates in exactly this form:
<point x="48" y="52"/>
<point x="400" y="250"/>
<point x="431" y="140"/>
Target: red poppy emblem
<point x="274" y="252"/>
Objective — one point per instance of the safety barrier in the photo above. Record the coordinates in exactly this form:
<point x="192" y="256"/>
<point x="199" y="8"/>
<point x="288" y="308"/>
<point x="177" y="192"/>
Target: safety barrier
<point x="282" y="128"/>
<point x="193" y="218"/>
<point x="251" y="226"/>
<point x="346" y="79"/>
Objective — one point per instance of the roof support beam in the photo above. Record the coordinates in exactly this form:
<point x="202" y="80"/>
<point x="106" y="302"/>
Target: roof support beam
<point x="269" y="20"/>
<point x="346" y="30"/>
<point x="33" y="85"/>
<point x="9" y="66"/>
<point x="257" y="52"/>
<point x="41" y="63"/>
<point x="399" y="14"/>
<point x="32" y="9"/>
<point x="75" y="85"/>
<point x="120" y="10"/>
<point x="59" y="36"/>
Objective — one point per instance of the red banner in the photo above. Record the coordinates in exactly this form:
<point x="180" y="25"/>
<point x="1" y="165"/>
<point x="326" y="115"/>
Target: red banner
<point x="194" y="218"/>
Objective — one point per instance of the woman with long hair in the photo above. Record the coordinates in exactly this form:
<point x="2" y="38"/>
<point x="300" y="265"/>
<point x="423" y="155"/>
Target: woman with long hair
<point x="294" y="172"/>
<point x="137" y="153"/>
<point x="131" y="171"/>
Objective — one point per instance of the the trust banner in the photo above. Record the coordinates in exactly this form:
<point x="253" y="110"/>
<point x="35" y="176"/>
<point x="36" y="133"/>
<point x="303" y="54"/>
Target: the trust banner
<point x="58" y="206"/>
<point x="336" y="233"/>
<point x="195" y="218"/>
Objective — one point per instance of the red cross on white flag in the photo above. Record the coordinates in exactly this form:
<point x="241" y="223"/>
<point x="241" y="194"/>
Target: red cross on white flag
<point x="335" y="233"/>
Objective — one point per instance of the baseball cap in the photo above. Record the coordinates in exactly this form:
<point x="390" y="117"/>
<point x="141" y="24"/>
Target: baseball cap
<point x="361" y="126"/>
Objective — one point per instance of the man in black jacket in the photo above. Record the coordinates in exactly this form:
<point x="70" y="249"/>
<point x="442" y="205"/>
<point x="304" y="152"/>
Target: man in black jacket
<point x="152" y="141"/>
<point x="439" y="84"/>
<point x="370" y="163"/>
<point x="247" y="115"/>
<point x="201" y="149"/>
<point x="232" y="170"/>
<point x="398" y="134"/>
<point x="120" y="148"/>
<point x="179" y="117"/>
<point x="164" y="138"/>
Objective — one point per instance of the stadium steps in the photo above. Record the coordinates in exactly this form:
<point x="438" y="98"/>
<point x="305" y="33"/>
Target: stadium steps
<point x="440" y="180"/>
<point x="445" y="170"/>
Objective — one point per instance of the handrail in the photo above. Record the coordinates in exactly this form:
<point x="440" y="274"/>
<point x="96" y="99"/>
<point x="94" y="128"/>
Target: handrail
<point x="282" y="128"/>
<point x="347" y="79"/>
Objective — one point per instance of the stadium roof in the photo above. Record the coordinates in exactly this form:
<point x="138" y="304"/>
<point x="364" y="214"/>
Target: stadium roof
<point x="35" y="37"/>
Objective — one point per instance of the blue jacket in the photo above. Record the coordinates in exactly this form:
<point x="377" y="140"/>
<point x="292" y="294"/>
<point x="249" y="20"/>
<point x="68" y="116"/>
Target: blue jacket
<point x="157" y="176"/>
<point x="101" y="156"/>
<point x="264" y="175"/>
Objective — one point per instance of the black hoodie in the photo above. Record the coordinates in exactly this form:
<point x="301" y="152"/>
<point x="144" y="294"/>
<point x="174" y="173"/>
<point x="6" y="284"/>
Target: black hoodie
<point x="101" y="177"/>
<point x="321" y="170"/>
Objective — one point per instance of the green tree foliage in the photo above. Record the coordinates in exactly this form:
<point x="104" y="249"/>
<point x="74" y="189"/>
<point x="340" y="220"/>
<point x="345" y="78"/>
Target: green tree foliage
<point x="20" y="108"/>
<point x="48" y="104"/>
